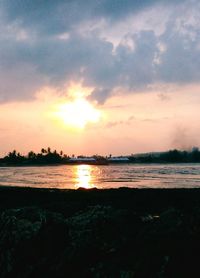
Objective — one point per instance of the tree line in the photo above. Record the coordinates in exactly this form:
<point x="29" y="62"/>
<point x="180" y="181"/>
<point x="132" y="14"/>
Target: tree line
<point x="47" y="157"/>
<point x="171" y="156"/>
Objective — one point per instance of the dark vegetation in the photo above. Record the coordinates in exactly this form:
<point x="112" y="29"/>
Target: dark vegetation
<point x="45" y="157"/>
<point x="99" y="233"/>
<point x="48" y="157"/>
<point x="172" y="156"/>
<point x="32" y="158"/>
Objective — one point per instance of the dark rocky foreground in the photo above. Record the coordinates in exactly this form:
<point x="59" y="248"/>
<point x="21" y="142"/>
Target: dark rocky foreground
<point x="99" y="233"/>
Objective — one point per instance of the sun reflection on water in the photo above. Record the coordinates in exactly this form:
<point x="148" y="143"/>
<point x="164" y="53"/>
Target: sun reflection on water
<point x="84" y="176"/>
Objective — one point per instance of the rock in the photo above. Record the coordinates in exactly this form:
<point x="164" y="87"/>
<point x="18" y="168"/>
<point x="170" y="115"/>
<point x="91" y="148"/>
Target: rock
<point x="29" y="239"/>
<point x="100" y="237"/>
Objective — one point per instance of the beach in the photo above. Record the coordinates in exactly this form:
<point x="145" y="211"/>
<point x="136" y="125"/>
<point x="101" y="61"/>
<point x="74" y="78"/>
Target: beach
<point x="99" y="233"/>
<point x="99" y="139"/>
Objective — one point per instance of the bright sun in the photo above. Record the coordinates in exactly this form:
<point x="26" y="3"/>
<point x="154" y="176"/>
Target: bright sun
<point x="78" y="113"/>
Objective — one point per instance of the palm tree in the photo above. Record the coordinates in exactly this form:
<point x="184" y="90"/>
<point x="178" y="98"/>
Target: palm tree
<point x="12" y="154"/>
<point x="43" y="151"/>
<point x="31" y="155"/>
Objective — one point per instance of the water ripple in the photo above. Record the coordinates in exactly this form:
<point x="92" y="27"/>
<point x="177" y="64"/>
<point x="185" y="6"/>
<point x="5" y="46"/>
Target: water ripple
<point x="112" y="176"/>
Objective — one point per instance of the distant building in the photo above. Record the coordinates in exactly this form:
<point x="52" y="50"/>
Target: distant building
<point x="82" y="159"/>
<point x="118" y="159"/>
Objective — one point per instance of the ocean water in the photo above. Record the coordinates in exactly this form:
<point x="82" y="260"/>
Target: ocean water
<point x="111" y="176"/>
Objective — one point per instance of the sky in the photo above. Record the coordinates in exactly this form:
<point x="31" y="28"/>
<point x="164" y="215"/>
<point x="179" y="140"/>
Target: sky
<point x="99" y="76"/>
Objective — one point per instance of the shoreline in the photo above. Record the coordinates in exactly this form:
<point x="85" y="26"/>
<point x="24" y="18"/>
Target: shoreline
<point x="99" y="232"/>
<point x="99" y="164"/>
<point x="124" y="195"/>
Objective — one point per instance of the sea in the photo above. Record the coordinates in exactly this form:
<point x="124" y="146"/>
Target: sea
<point x="103" y="176"/>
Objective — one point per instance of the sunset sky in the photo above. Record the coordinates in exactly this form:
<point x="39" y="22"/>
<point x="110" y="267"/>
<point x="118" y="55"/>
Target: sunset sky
<point x="99" y="76"/>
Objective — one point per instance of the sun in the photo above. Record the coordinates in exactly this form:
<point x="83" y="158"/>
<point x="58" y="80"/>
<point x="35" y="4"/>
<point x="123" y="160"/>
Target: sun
<point x="77" y="113"/>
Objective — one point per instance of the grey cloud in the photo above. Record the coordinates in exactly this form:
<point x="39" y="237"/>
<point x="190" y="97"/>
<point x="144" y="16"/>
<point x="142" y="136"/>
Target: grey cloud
<point x="53" y="62"/>
<point x="42" y="16"/>
<point x="53" y="17"/>
<point x="100" y="94"/>
<point x="180" y="63"/>
<point x="119" y="9"/>
<point x="28" y="64"/>
<point x="136" y="66"/>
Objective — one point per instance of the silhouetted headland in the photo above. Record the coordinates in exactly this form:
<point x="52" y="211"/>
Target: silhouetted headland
<point x="48" y="157"/>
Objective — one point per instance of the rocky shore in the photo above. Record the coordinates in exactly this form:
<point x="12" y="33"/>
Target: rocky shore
<point x="99" y="233"/>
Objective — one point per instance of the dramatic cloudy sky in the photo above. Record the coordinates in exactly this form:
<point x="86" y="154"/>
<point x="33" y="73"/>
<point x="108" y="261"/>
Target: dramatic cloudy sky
<point x="135" y="62"/>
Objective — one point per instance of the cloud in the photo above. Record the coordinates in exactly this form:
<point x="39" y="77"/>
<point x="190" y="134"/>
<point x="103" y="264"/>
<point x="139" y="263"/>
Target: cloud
<point x="127" y="122"/>
<point x="180" y="62"/>
<point x="43" y="43"/>
<point x="55" y="17"/>
<point x="163" y="97"/>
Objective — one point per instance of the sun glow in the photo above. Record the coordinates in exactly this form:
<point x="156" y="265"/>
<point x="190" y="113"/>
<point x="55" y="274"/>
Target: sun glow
<point x="77" y="113"/>
<point x="83" y="176"/>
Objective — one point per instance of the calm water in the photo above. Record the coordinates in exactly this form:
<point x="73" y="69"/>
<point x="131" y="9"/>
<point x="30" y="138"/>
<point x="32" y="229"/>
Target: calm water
<point x="138" y="176"/>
